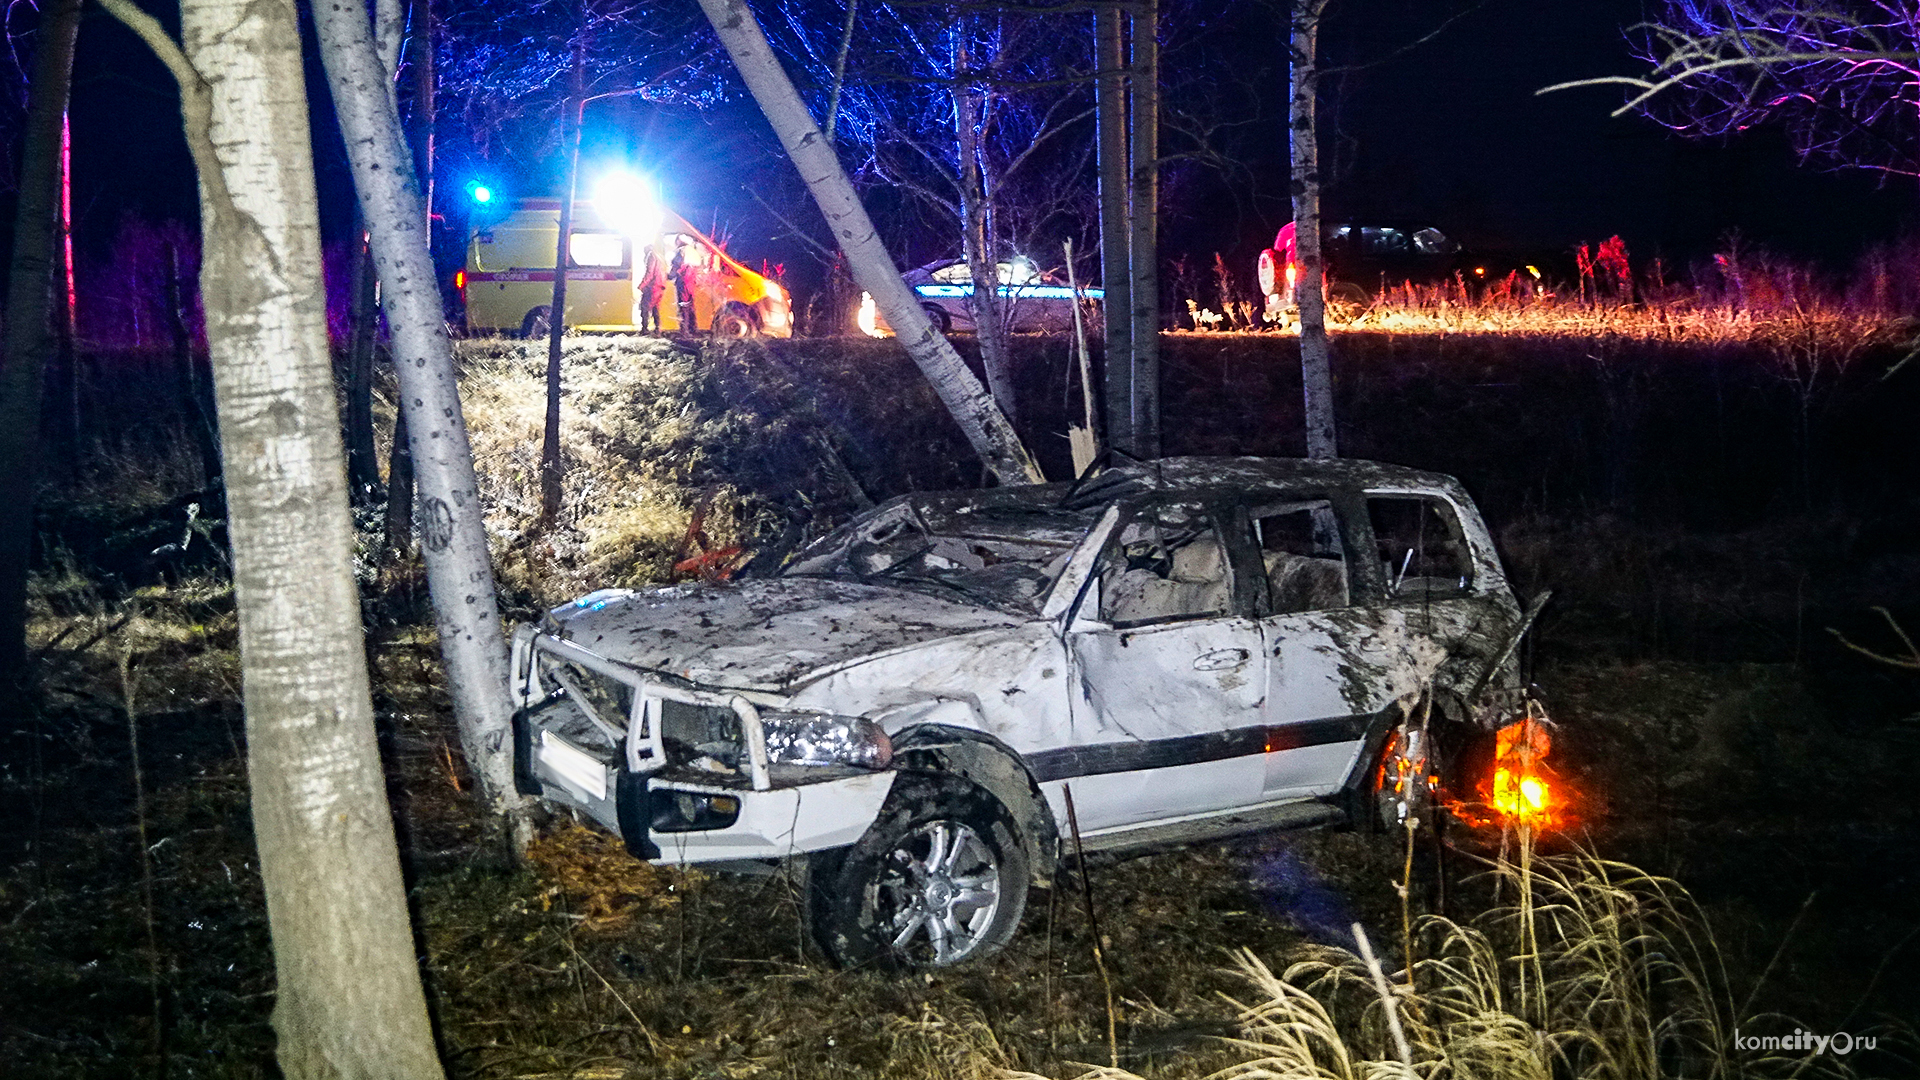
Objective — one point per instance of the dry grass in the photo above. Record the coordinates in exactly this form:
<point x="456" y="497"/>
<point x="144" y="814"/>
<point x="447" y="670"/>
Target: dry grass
<point x="1589" y="968"/>
<point x="668" y="453"/>
<point x="632" y="443"/>
<point x="591" y="872"/>
<point x="1454" y="309"/>
<point x="1743" y="295"/>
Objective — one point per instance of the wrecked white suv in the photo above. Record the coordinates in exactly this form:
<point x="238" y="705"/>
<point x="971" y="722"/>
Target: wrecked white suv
<point x="937" y="702"/>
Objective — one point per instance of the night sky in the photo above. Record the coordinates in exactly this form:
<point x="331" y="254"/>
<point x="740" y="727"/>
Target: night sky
<point x="1450" y="132"/>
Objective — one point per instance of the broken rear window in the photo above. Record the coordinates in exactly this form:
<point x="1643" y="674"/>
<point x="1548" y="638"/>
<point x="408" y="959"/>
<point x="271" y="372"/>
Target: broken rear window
<point x="1420" y="546"/>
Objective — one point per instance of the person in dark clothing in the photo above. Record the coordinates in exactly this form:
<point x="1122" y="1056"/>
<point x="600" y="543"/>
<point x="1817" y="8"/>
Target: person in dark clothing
<point x="681" y="274"/>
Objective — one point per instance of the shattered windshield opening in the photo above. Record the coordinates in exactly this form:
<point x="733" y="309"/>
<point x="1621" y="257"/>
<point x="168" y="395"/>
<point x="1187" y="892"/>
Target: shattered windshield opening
<point x="1004" y="556"/>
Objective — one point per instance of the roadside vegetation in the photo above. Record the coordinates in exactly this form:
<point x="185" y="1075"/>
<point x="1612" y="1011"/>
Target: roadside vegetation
<point x="1703" y="508"/>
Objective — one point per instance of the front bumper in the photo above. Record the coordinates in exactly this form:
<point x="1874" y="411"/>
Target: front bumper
<point x="669" y="810"/>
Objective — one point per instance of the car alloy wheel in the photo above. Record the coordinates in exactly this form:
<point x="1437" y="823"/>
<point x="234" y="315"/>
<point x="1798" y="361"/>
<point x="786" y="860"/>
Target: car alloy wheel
<point x="942" y="888"/>
<point x="939" y="879"/>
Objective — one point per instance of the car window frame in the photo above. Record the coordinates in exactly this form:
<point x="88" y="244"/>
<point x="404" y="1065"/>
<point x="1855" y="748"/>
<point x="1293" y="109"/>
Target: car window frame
<point x="1455" y="522"/>
<point x="1239" y="605"/>
<point x="1365" y="585"/>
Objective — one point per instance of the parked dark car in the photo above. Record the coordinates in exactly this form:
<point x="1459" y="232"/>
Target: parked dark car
<point x="1365" y="258"/>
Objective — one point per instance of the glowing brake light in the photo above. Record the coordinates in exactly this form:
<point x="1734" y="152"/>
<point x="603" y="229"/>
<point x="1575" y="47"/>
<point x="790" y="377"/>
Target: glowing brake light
<point x="1521" y="791"/>
<point x="460" y="280"/>
<point x="1293" y="275"/>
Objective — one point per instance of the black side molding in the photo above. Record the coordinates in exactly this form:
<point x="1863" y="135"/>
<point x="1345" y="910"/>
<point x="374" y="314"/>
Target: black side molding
<point x="1072" y="761"/>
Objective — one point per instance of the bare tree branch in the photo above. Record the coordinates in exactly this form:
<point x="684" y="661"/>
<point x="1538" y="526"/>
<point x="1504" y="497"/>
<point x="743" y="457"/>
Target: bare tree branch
<point x="1843" y="79"/>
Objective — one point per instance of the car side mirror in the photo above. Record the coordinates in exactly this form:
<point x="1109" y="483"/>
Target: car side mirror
<point x="1072" y="582"/>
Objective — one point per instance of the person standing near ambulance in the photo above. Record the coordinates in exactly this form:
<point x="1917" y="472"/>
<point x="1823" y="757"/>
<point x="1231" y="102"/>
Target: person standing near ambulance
<point x="653" y="287"/>
<point x="681" y="275"/>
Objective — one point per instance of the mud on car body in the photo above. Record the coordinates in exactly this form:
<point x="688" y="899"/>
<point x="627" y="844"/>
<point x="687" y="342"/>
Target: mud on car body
<point x="1194" y="648"/>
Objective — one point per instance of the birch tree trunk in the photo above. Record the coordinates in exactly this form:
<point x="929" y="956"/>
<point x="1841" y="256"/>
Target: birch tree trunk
<point x="552" y="470"/>
<point x="30" y="339"/>
<point x="452" y="535"/>
<point x="363" y="467"/>
<point x="1144" y="293"/>
<point x="989" y="327"/>
<point x="980" y="419"/>
<point x="423" y="30"/>
<point x="349" y="1000"/>
<point x="1116" y="269"/>
<point x="363" y="472"/>
<point x="400" y="488"/>
<point x="1316" y="363"/>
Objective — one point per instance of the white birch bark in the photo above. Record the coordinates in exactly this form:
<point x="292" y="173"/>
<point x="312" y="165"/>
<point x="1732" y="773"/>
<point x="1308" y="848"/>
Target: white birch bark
<point x="1116" y="183"/>
<point x="447" y="506"/>
<point x="980" y="419"/>
<point x="349" y="1001"/>
<point x="989" y="325"/>
<point x="989" y="321"/>
<point x="1143" y="294"/>
<point x="1316" y="363"/>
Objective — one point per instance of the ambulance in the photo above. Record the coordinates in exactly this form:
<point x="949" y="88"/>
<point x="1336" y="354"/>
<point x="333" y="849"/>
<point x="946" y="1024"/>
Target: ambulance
<point x="623" y="251"/>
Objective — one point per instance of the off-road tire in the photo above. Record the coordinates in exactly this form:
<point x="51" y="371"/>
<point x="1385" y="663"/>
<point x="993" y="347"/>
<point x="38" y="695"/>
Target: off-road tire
<point x="734" y="321"/>
<point x="855" y="896"/>
<point x="536" y="325"/>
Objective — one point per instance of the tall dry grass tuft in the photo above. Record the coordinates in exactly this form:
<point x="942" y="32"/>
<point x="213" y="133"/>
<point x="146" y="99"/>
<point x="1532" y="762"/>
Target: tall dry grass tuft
<point x="1591" y="968"/>
<point x="1744" y="293"/>
<point x="1594" y="969"/>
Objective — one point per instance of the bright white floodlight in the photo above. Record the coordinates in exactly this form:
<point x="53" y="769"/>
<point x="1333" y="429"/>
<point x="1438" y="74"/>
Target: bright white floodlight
<point x="627" y="203"/>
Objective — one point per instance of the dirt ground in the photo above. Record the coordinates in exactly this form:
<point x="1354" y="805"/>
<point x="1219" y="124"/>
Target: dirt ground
<point x="1711" y="729"/>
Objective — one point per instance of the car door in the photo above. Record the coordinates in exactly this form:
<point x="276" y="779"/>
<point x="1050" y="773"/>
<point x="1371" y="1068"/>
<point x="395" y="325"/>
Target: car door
<point x="1168" y="677"/>
<point x="1358" y="596"/>
<point x="1319" y="641"/>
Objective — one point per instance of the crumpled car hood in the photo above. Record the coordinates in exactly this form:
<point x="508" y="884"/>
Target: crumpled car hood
<point x="762" y="634"/>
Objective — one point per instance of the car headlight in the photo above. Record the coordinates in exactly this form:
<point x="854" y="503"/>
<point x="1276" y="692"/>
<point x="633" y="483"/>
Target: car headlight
<point x="820" y="739"/>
